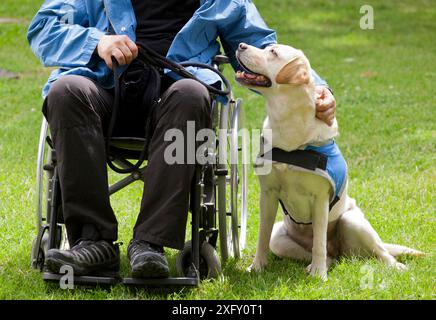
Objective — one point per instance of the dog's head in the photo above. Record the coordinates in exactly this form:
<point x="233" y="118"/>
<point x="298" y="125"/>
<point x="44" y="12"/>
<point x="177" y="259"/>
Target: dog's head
<point x="272" y="67"/>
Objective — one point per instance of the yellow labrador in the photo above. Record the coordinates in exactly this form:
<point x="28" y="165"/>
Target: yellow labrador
<point x="321" y="222"/>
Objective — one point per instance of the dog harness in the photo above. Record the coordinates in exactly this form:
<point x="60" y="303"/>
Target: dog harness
<point x="325" y="160"/>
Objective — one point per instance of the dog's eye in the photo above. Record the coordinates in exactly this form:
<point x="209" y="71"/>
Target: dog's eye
<point x="274" y="52"/>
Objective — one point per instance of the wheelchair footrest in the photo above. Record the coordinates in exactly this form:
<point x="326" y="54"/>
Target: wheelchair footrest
<point x="82" y="280"/>
<point x="164" y="282"/>
<point x="109" y="281"/>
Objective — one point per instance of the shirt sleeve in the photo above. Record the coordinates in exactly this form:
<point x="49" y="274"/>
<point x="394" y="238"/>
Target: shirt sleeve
<point x="243" y="23"/>
<point x="233" y="22"/>
<point x="60" y="36"/>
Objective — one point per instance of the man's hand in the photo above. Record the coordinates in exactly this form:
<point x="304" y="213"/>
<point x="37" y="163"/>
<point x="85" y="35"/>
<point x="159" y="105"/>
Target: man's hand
<point x="325" y="105"/>
<point x="121" y="47"/>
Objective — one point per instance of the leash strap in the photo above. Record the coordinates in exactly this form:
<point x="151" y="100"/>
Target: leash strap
<point x="115" y="112"/>
<point x="153" y="58"/>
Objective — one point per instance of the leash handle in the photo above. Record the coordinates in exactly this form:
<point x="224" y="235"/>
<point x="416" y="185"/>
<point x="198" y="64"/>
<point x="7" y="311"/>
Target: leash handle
<point x="153" y="58"/>
<point x="115" y="111"/>
<point x="160" y="61"/>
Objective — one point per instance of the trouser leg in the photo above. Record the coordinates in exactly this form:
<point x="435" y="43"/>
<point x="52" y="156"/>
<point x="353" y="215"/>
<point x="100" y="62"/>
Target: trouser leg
<point x="165" y="202"/>
<point x="77" y="110"/>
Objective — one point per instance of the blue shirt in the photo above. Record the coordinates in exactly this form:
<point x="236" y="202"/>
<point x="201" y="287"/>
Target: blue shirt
<point x="65" y="34"/>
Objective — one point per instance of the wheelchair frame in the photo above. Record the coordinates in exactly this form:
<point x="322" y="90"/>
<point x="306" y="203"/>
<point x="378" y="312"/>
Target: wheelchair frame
<point x="208" y="202"/>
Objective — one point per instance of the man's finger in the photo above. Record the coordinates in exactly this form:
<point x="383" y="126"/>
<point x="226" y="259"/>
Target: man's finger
<point x="325" y="114"/>
<point x="133" y="48"/>
<point x="321" y="106"/>
<point x="325" y="104"/>
<point x="119" y="56"/>
<point x="328" y="120"/>
<point x="127" y="53"/>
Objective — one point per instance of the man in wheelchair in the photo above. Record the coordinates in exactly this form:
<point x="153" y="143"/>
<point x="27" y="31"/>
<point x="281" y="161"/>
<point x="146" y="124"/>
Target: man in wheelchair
<point x="80" y="38"/>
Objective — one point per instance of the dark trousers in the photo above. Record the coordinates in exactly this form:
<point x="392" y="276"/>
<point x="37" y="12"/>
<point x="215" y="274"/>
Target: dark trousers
<point x="78" y="111"/>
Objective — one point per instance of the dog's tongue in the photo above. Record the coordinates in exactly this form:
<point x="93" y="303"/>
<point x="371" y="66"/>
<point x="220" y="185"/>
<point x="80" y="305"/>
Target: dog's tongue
<point x="252" y="79"/>
<point x="248" y="75"/>
<point x="251" y="76"/>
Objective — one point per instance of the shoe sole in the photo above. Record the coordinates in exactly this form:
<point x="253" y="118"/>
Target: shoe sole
<point x="151" y="269"/>
<point x="54" y="265"/>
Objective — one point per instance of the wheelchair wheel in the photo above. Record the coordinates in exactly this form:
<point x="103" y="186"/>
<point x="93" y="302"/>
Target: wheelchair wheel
<point x="232" y="189"/>
<point x="43" y="177"/>
<point x="40" y="242"/>
<point x="210" y="264"/>
<point x="44" y="189"/>
<point x="238" y="181"/>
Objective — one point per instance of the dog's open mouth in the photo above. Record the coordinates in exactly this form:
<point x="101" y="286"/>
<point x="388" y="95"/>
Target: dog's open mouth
<point x="250" y="78"/>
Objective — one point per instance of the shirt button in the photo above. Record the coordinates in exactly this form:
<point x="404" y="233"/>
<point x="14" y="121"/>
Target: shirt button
<point x="123" y="29"/>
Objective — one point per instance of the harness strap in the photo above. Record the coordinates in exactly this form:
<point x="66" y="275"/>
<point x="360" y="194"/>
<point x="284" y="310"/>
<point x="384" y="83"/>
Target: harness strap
<point x="307" y="159"/>
<point x="287" y="213"/>
<point x="336" y="199"/>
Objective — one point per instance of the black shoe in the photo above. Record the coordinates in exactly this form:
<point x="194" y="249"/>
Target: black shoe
<point x="147" y="260"/>
<point x="87" y="258"/>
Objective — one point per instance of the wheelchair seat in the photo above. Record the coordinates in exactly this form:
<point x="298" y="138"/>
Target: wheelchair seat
<point x="126" y="147"/>
<point x="127" y="143"/>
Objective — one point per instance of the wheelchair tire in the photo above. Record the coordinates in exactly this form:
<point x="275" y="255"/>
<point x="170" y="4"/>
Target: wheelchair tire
<point x="225" y="245"/>
<point x="210" y="264"/>
<point x="46" y="160"/>
<point x="38" y="253"/>
<point x="43" y="177"/>
<point x="238" y="180"/>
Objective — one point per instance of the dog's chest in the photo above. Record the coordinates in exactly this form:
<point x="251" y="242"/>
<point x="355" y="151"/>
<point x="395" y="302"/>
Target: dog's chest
<point x="300" y="178"/>
<point x="297" y="190"/>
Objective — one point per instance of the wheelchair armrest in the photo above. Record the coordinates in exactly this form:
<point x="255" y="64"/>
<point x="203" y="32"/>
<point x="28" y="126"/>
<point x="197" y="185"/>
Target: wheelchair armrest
<point x="221" y="59"/>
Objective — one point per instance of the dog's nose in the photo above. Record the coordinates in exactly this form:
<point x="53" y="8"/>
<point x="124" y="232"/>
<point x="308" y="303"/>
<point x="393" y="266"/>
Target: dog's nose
<point x="242" y="46"/>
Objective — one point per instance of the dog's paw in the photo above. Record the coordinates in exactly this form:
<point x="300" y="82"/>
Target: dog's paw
<point x="258" y="265"/>
<point x="400" y="266"/>
<point x="317" y="271"/>
<point x="393" y="263"/>
<point x="251" y="268"/>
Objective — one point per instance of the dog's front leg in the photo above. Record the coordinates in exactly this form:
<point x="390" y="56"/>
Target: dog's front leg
<point x="268" y="211"/>
<point x="318" y="267"/>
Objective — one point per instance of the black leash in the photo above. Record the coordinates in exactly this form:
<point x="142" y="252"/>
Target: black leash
<point x="158" y="61"/>
<point x="153" y="58"/>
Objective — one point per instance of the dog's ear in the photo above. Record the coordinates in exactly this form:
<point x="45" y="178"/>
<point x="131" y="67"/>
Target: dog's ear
<point x="295" y="72"/>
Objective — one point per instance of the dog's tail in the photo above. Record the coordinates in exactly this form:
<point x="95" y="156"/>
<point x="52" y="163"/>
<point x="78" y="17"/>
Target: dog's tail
<point x="397" y="250"/>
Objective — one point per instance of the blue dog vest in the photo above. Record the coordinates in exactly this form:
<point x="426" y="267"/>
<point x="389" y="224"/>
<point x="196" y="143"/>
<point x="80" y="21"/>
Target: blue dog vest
<point x="326" y="161"/>
<point x="336" y="169"/>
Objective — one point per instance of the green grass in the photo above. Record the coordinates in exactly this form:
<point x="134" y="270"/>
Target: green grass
<point x="384" y="84"/>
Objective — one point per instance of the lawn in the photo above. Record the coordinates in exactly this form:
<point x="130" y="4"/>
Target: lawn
<point x="383" y="81"/>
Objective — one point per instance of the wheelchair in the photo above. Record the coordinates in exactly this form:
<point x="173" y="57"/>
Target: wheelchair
<point x="218" y="200"/>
